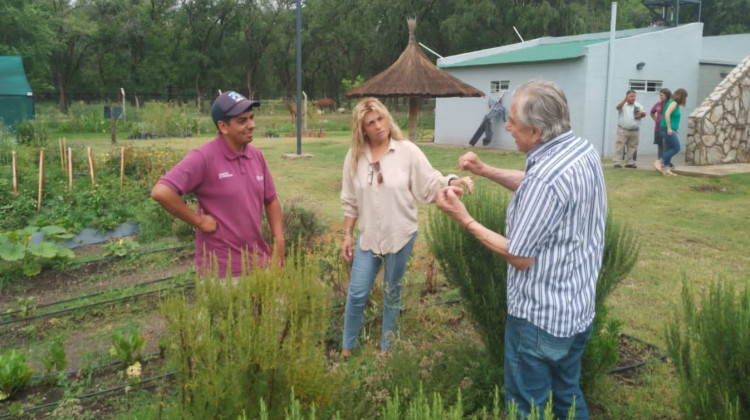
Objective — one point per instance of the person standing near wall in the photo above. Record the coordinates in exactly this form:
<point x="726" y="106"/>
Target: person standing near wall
<point x="554" y="245"/>
<point x="670" y="122"/>
<point x="656" y="113"/>
<point x="629" y="114"/>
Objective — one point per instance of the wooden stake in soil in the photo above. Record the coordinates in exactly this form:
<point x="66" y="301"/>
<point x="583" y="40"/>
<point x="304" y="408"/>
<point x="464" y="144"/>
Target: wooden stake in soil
<point x="122" y="166"/>
<point x="61" y="144"/>
<point x="70" y="169"/>
<point x="92" y="170"/>
<point x="15" y="175"/>
<point x="41" y="180"/>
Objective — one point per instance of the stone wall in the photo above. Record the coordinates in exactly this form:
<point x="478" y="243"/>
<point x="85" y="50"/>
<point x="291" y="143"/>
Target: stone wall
<point x="719" y="129"/>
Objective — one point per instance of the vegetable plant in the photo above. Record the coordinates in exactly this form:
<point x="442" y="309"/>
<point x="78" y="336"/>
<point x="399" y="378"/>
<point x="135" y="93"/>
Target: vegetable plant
<point x="16" y="248"/>
<point x="15" y="374"/>
<point x="127" y="345"/>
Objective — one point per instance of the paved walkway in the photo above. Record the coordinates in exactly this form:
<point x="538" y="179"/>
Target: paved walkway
<point x="711" y="171"/>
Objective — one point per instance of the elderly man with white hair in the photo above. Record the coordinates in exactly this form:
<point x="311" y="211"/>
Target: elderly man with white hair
<point x="553" y="244"/>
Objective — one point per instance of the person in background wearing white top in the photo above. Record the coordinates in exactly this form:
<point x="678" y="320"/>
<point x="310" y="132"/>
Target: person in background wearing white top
<point x="629" y="114"/>
<point x="384" y="176"/>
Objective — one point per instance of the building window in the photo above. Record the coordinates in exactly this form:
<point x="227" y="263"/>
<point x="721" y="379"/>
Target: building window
<point x="497" y="86"/>
<point x="645" y="85"/>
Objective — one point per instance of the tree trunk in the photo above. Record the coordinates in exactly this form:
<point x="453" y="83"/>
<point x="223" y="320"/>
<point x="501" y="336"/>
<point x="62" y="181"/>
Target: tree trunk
<point x="62" y="104"/>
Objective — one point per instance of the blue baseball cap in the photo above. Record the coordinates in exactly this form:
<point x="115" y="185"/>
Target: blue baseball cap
<point x="230" y="104"/>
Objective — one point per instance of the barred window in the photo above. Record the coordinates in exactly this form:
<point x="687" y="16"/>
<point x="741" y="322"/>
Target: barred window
<point x="497" y="86"/>
<point x="639" y="85"/>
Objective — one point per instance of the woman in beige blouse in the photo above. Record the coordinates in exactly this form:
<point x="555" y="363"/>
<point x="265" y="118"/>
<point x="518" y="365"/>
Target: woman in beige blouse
<point x="383" y="178"/>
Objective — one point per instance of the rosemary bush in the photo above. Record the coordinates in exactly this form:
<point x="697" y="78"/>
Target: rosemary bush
<point x="709" y="345"/>
<point x="481" y="277"/>
<point x="258" y="339"/>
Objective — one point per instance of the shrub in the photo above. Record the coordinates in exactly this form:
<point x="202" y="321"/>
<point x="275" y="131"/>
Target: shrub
<point x="479" y="274"/>
<point x="15" y="374"/>
<point x="709" y="345"/>
<point x="481" y="277"/>
<point x="32" y="133"/>
<point x="257" y="339"/>
<point x="301" y="223"/>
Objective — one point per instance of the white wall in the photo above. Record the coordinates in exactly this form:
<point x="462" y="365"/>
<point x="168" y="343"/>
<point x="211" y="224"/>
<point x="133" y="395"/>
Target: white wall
<point x="670" y="55"/>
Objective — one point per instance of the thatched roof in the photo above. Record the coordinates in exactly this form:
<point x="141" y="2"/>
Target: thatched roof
<point x="413" y="74"/>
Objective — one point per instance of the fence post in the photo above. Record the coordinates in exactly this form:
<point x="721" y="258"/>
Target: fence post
<point x="92" y="170"/>
<point x="70" y="169"/>
<point x="41" y="180"/>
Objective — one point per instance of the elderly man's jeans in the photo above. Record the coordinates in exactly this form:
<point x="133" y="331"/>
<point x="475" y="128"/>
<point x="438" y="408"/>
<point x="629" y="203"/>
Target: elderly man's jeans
<point x="671" y="146"/>
<point x="364" y="269"/>
<point x="537" y="362"/>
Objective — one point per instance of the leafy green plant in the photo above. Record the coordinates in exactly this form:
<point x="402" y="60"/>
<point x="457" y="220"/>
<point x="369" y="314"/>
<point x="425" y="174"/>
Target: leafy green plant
<point x="15" y="374"/>
<point x="26" y="307"/>
<point x="53" y="357"/>
<point x="709" y="345"/>
<point x="16" y="248"/>
<point x="120" y="248"/>
<point x="127" y="345"/>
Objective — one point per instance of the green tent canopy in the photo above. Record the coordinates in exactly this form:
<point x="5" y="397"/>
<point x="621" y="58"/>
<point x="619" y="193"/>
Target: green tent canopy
<point x="16" y="97"/>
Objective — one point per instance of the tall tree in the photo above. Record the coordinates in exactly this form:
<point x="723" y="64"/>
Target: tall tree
<point x="26" y="30"/>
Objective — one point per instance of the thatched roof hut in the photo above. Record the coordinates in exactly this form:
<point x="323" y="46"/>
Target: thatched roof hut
<point x="414" y="75"/>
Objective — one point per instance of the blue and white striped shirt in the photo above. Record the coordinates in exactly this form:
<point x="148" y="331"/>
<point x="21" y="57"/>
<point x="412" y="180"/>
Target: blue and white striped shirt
<point x="557" y="216"/>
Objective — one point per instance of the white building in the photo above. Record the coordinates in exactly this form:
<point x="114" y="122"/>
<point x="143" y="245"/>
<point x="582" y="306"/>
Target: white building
<point x="644" y="60"/>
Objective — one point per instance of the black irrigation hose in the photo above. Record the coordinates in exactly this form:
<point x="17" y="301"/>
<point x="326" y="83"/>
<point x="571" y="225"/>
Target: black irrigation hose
<point x="662" y="357"/>
<point x="60" y="302"/>
<point x="93" y="394"/>
<point x="105" y="302"/>
<point x="68" y="373"/>
<point x="137" y="253"/>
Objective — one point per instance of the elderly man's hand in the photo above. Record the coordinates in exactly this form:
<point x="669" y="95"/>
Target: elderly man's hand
<point x="470" y="162"/>
<point x="448" y="201"/>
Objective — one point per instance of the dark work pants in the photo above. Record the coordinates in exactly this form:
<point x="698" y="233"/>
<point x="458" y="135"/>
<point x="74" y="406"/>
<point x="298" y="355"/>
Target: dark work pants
<point x="484" y="128"/>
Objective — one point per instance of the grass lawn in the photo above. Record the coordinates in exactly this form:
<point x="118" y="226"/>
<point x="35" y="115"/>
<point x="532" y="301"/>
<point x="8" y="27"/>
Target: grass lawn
<point x="691" y="230"/>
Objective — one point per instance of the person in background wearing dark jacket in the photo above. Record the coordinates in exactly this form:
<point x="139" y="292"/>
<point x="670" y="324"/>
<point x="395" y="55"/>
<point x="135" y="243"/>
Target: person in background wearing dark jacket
<point x="656" y="113"/>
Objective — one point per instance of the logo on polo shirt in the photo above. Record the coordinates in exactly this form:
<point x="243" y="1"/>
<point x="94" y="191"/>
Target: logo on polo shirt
<point x="259" y="177"/>
<point x="225" y="175"/>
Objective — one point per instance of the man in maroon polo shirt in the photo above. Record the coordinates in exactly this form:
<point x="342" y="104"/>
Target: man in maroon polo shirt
<point x="233" y="184"/>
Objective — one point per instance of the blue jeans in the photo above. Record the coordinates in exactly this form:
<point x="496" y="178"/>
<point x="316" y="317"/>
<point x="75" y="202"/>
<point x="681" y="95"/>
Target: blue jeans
<point x="671" y="146"/>
<point x="365" y="267"/>
<point x="537" y="362"/>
